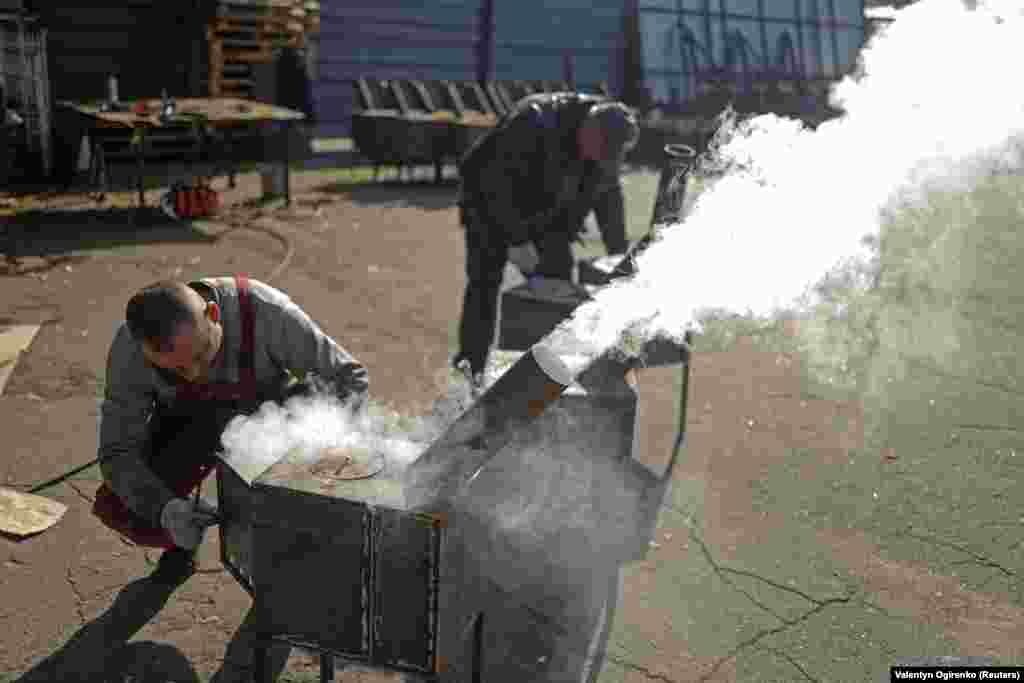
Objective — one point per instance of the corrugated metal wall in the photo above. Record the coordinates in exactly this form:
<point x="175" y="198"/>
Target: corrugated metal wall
<point x="460" y="40"/>
<point x="389" y="39"/>
<point x="692" y="48"/>
<point x="533" y="38"/>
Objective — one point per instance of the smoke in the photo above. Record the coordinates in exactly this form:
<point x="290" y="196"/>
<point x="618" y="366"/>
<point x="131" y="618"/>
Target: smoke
<point x="794" y="223"/>
<point x="303" y="427"/>
<point x="549" y="520"/>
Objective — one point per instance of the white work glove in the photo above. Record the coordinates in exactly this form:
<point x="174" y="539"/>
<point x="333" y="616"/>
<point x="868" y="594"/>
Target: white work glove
<point x="187" y="520"/>
<point x="524" y="257"/>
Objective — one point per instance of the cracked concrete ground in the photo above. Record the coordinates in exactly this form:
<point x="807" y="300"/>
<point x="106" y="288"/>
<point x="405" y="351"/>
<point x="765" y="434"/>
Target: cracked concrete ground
<point x="772" y="561"/>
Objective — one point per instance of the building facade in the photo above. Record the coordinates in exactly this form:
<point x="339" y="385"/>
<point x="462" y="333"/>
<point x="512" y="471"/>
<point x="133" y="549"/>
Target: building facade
<point x="681" y="56"/>
<point x="748" y="50"/>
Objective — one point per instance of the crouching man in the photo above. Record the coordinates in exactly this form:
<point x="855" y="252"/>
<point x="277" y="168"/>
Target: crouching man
<point x="188" y="358"/>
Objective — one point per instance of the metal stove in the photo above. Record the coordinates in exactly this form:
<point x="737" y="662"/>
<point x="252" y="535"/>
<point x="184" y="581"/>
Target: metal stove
<point x="496" y="555"/>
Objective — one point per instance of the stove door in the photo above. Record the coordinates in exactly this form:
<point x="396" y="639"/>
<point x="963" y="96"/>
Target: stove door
<point x="312" y="560"/>
<point x="405" y="597"/>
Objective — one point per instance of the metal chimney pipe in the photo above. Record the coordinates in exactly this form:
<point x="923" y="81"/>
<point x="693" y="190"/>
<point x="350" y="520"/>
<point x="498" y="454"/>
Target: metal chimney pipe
<point x="525" y="391"/>
<point x="522" y="393"/>
<point x="668" y="203"/>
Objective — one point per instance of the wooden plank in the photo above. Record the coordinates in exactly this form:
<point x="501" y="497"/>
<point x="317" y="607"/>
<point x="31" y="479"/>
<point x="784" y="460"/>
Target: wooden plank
<point x="14" y="340"/>
<point x="237" y="83"/>
<point x="216" y="66"/>
<point x="249" y="56"/>
<point x="248" y="24"/>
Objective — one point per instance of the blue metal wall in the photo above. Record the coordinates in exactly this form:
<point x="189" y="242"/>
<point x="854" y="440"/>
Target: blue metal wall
<point x="686" y="45"/>
<point x="533" y="37"/>
<point x="690" y="46"/>
<point x="459" y="40"/>
<point x="435" y="39"/>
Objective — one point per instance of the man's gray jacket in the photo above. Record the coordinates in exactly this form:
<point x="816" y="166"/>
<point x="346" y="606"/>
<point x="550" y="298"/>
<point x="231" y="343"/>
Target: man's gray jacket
<point x="287" y="344"/>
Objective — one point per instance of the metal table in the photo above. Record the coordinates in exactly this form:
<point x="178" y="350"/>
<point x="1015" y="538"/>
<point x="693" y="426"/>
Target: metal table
<point x="212" y="121"/>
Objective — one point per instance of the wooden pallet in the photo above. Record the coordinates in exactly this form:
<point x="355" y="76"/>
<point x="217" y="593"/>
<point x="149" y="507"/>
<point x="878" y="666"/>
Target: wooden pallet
<point x="247" y="33"/>
<point x="269" y="34"/>
<point x="304" y="12"/>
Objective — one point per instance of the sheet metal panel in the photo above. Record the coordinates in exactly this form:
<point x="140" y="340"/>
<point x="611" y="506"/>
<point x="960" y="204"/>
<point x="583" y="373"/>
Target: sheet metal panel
<point x="533" y="38"/>
<point x="691" y="47"/>
<point x="389" y="39"/>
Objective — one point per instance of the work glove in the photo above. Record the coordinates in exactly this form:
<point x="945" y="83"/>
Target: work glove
<point x="524" y="257"/>
<point x="474" y="379"/>
<point x="187" y="520"/>
<point x="554" y="288"/>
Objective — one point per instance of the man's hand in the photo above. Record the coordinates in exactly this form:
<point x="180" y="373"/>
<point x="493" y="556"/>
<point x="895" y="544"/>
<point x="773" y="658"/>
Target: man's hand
<point x="524" y="257"/>
<point x="186" y="521"/>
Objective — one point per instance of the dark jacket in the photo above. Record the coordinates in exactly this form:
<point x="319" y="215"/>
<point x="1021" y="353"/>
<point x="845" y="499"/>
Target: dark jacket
<point x="526" y="175"/>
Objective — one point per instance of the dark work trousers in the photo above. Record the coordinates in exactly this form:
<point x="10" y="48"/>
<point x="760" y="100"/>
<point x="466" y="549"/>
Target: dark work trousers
<point x="486" y="256"/>
<point x="181" y="452"/>
<point x="610" y="211"/>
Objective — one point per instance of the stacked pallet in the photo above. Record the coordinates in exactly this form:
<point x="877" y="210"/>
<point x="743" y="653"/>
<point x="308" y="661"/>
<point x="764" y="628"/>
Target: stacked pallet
<point x="246" y="33"/>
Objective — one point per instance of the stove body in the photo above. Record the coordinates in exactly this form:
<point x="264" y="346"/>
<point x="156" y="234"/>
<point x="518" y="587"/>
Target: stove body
<point x="337" y="567"/>
<point x="499" y="557"/>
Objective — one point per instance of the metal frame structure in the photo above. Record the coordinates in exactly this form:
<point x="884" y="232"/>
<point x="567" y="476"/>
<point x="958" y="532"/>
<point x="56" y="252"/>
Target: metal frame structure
<point x="24" y="73"/>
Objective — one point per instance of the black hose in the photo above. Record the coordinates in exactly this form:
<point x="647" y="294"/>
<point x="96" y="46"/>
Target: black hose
<point x="67" y="475"/>
<point x="64" y="477"/>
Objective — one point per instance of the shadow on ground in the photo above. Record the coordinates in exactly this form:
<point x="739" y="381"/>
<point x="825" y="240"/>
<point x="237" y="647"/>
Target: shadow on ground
<point x="54" y="232"/>
<point x="420" y="191"/>
<point x="100" y="652"/>
<point x="237" y="666"/>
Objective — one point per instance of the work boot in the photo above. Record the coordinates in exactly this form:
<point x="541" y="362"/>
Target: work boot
<point x="175" y="566"/>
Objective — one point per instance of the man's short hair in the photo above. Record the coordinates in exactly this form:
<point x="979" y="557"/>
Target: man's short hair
<point x="155" y="313"/>
<point x="619" y="125"/>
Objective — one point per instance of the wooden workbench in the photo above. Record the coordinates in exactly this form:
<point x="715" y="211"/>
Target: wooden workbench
<point x="212" y="111"/>
<point x="203" y="115"/>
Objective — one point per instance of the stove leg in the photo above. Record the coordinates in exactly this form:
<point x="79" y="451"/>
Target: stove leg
<point x="478" y="648"/>
<point x="261" y="662"/>
<point x="326" y="667"/>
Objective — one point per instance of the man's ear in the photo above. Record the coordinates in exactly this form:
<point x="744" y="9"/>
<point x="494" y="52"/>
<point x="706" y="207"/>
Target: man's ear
<point x="213" y="311"/>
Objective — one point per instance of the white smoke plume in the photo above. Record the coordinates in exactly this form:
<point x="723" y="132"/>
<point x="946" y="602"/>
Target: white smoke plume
<point x="924" y="112"/>
<point x="304" y="426"/>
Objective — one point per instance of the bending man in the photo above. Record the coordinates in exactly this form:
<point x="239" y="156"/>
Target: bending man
<point x="187" y="359"/>
<point x="526" y="188"/>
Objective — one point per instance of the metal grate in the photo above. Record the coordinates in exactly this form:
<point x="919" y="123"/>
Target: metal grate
<point x="26" y="81"/>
